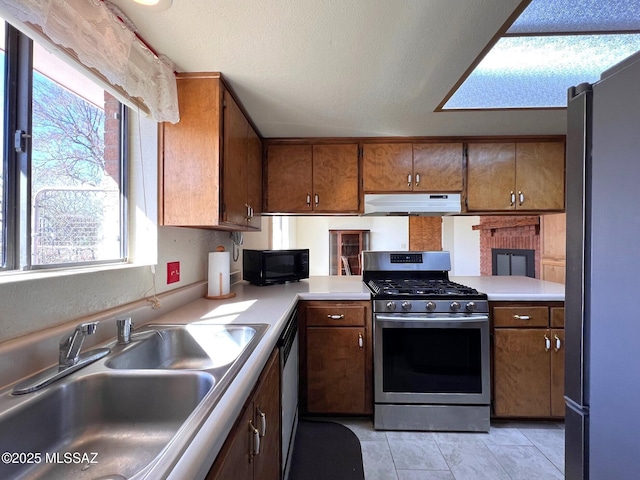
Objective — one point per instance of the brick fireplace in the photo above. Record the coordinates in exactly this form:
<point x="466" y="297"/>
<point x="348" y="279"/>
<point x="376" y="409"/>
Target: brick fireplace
<point x="508" y="232"/>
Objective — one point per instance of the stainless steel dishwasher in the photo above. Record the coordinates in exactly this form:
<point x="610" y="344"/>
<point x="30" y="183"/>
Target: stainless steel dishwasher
<point x="288" y="345"/>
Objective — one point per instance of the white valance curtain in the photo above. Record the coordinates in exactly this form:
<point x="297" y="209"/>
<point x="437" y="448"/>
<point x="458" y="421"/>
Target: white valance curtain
<point x="103" y="42"/>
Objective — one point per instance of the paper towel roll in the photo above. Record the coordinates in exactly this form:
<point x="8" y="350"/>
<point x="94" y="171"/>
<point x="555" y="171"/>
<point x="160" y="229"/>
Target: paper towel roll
<point x="219" y="268"/>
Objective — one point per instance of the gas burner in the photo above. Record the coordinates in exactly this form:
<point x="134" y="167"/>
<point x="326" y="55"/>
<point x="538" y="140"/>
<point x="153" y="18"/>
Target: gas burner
<point x="418" y="283"/>
<point x="418" y="287"/>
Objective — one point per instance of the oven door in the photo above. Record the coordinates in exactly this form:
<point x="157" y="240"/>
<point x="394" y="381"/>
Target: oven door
<point x="432" y="359"/>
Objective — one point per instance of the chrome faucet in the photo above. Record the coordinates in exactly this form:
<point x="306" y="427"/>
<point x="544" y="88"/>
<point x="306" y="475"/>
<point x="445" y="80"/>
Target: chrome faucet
<point x="69" y="360"/>
<point x="124" y="330"/>
<point x="70" y="346"/>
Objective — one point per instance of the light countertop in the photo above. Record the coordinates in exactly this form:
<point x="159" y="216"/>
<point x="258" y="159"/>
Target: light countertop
<point x="515" y="289"/>
<point x="272" y="305"/>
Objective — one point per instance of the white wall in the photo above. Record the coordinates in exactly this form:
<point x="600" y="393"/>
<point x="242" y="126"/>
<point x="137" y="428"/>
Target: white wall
<point x="463" y="243"/>
<point x="32" y="301"/>
<point x="387" y="233"/>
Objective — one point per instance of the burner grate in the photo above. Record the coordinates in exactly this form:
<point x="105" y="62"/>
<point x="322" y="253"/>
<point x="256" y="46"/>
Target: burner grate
<point x="419" y="287"/>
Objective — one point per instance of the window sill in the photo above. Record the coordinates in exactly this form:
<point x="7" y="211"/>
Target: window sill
<point x="15" y="276"/>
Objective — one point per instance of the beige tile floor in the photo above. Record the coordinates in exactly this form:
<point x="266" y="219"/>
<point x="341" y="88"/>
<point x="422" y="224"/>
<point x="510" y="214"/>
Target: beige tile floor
<point x="511" y="450"/>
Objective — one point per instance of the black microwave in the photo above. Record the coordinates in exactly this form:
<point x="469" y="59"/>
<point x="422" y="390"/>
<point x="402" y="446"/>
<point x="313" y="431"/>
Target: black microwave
<point x="266" y="267"/>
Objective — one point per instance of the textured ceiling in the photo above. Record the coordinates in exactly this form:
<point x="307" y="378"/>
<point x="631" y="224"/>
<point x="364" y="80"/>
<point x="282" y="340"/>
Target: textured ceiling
<point x="306" y="68"/>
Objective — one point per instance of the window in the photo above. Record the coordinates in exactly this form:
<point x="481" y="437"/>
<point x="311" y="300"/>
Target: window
<point x="62" y="177"/>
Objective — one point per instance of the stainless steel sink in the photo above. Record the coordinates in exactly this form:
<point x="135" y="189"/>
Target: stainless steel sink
<point x="125" y="420"/>
<point x="138" y="409"/>
<point x="199" y="347"/>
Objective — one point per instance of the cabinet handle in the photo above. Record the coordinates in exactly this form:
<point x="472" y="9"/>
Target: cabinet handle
<point x="513" y="199"/>
<point x="521" y="317"/>
<point x="248" y="215"/>
<point x="256" y="439"/>
<point x="417" y="179"/>
<point x="409" y="180"/>
<point x="263" y="421"/>
<point x="317" y="199"/>
<point x="558" y="343"/>
<point x="547" y="344"/>
<point x="521" y="198"/>
<point x="308" y="199"/>
<point x="360" y="340"/>
<point x="335" y="317"/>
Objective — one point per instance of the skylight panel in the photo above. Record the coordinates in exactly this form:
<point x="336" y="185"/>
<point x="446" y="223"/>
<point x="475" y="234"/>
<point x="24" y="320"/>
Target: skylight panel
<point x="535" y="72"/>
<point x="556" y="16"/>
<point x="551" y="46"/>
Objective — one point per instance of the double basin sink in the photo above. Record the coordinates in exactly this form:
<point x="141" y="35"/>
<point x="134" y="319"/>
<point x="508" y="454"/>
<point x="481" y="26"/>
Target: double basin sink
<point x="130" y="415"/>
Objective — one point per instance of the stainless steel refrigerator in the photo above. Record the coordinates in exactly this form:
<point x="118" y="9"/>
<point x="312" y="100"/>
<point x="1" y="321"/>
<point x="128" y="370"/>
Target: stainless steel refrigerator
<point x="602" y="304"/>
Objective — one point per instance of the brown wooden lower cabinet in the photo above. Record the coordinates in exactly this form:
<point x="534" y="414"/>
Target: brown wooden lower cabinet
<point x="528" y="361"/>
<point x="240" y="457"/>
<point x="336" y="362"/>
<point x="335" y="370"/>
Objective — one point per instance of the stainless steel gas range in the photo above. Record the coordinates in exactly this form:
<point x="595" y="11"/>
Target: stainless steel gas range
<point x="431" y="344"/>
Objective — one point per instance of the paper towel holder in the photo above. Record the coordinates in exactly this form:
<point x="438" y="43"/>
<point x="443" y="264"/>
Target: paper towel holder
<point x="220" y="297"/>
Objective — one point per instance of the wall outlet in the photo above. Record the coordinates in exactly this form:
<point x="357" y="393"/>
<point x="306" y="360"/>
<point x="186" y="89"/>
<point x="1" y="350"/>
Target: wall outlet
<point x="173" y="272"/>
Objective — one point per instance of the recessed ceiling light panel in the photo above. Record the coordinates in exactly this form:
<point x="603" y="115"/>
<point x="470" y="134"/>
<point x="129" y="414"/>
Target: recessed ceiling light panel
<point x="535" y="72"/>
<point x="556" y="16"/>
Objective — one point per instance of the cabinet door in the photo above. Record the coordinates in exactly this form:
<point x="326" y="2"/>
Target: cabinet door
<point x="234" y="188"/>
<point x="521" y="372"/>
<point x="254" y="178"/>
<point x="266" y="405"/>
<point x="335" y="178"/>
<point x="289" y="171"/>
<point x="235" y="460"/>
<point x="540" y="175"/>
<point x="437" y="167"/>
<point x="190" y="156"/>
<point x="387" y="167"/>
<point x="557" y="373"/>
<point x="425" y="233"/>
<point x="336" y="370"/>
<point x="491" y="176"/>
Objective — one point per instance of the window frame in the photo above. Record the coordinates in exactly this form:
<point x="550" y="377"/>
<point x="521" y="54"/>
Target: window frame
<point x="17" y="223"/>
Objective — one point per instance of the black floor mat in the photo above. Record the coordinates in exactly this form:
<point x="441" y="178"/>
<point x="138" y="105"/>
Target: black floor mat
<point x="326" y="451"/>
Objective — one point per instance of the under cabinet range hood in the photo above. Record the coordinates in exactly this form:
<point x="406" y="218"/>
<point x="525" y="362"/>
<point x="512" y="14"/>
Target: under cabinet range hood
<point x="423" y="204"/>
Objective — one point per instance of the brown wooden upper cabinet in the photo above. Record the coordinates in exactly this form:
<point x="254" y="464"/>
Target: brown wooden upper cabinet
<point x="210" y="161"/>
<point x="412" y="167"/>
<point x="312" y="178"/>
<point x="527" y="176"/>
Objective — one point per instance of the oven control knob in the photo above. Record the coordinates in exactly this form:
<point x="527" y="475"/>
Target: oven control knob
<point x="455" y="306"/>
<point x="471" y="306"/>
<point x="406" y="305"/>
<point x="391" y="305"/>
<point x="431" y="306"/>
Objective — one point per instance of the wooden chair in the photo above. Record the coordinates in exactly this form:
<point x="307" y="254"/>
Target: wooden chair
<point x="345" y="265"/>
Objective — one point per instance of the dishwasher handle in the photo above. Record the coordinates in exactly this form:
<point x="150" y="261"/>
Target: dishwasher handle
<point x="285" y="342"/>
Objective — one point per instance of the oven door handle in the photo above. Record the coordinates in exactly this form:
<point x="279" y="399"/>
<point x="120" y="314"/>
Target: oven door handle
<point x="461" y="319"/>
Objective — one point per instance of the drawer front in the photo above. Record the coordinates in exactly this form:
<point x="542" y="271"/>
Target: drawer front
<point x="557" y="317"/>
<point x="525" y="316"/>
<point x="336" y="316"/>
